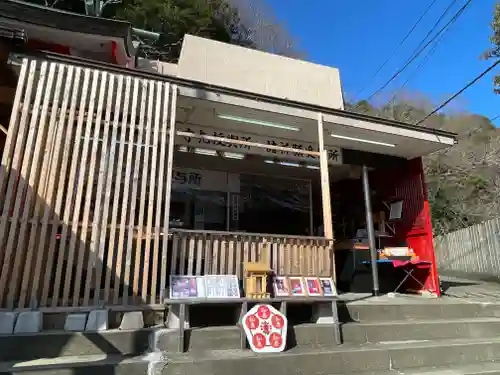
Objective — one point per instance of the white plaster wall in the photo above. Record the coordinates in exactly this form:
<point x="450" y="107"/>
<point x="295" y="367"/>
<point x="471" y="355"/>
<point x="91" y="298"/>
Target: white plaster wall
<point x="155" y="66"/>
<point x="259" y="72"/>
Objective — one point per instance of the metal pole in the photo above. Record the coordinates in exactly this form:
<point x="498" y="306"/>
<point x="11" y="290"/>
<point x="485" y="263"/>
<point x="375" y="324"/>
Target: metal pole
<point x="311" y="215"/>
<point x="371" y="231"/>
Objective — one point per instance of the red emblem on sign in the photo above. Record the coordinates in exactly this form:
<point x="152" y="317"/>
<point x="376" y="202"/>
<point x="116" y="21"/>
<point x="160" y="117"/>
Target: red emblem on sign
<point x="259" y="341"/>
<point x="252" y="322"/>
<point x="276" y="340"/>
<point x="265" y="329"/>
<point x="263" y="312"/>
<point x="277" y="321"/>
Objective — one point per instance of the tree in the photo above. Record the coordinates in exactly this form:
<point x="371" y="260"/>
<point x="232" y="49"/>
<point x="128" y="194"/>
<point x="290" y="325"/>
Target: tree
<point x="214" y="19"/>
<point x="494" y="52"/>
<point x="464" y="180"/>
<point x="230" y="21"/>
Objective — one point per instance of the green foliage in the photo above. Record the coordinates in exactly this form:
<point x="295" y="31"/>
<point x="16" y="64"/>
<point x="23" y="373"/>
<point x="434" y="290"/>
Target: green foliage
<point x="463" y="181"/>
<point x="494" y="52"/>
<point x="213" y="19"/>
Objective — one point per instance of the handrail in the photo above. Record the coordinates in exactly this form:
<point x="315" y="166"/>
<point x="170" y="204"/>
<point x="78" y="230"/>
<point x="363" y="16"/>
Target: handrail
<point x="248" y="234"/>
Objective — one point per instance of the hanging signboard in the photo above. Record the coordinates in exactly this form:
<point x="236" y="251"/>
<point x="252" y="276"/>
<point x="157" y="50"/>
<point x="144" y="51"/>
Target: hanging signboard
<point x="334" y="153"/>
<point x="265" y="329"/>
<point x="198" y="179"/>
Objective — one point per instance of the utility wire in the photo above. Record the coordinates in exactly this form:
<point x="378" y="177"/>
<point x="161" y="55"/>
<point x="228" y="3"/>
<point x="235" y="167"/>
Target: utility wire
<point x="494" y="118"/>
<point x="436" y="24"/>
<point x="414" y="57"/>
<point x="421" y="64"/>
<point x="491" y="67"/>
<point x="398" y="47"/>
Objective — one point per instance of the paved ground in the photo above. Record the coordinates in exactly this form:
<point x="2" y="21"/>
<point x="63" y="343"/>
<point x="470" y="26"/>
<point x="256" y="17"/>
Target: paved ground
<point x="470" y="289"/>
<point x="455" y="290"/>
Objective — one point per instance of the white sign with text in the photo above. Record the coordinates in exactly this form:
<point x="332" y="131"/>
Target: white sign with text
<point x="334" y="153"/>
<point x="197" y="179"/>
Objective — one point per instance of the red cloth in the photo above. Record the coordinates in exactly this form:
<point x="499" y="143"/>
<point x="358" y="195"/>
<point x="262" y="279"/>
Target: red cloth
<point x="403" y="263"/>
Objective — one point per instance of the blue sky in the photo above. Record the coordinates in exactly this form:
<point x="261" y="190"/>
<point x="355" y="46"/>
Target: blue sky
<point x="357" y="36"/>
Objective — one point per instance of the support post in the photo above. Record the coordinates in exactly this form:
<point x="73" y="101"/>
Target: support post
<point x="370" y="230"/>
<point x="311" y="214"/>
<point x="325" y="191"/>
<point x="325" y="182"/>
<point x="168" y="188"/>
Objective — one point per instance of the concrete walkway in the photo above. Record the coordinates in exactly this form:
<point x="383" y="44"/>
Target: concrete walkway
<point x="470" y="289"/>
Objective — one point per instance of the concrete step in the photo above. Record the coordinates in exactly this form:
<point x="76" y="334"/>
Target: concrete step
<point x="321" y="335"/>
<point x="55" y="344"/>
<point x="130" y="343"/>
<point x="481" y="368"/>
<point x="420" y="330"/>
<point x="406" y="308"/>
<point x="343" y="360"/>
<point x="452" y="357"/>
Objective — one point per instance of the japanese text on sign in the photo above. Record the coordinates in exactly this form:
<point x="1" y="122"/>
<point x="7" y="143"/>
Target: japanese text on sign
<point x="334" y="154"/>
<point x="187" y="178"/>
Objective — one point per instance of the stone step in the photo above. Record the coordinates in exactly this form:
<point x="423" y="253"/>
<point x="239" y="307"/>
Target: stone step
<point x="321" y="335"/>
<point x="55" y="344"/>
<point x="451" y="357"/>
<point x="405" y="308"/>
<point x="129" y="343"/>
<point x="342" y="360"/>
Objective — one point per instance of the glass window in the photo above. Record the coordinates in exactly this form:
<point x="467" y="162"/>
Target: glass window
<point x="274" y="205"/>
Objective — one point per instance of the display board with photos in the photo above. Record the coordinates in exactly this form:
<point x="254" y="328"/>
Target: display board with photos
<point x="204" y="287"/>
<point x="300" y="286"/>
<point x="222" y="286"/>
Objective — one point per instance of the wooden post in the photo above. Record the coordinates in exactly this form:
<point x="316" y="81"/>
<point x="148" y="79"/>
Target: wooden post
<point x="325" y="190"/>
<point x="311" y="214"/>
<point x="168" y="189"/>
<point x="325" y="182"/>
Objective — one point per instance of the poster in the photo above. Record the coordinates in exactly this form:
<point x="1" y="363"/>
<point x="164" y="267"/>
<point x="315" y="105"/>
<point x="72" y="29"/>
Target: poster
<point x="328" y="286"/>
<point x="182" y="287"/>
<point x="222" y="286"/>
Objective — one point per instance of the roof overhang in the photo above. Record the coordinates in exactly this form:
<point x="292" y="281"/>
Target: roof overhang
<point x="208" y="111"/>
<point x="92" y="37"/>
<point x="212" y="110"/>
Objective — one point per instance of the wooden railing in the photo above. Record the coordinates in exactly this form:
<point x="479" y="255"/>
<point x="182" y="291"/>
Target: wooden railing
<point x="82" y="200"/>
<point x="220" y="253"/>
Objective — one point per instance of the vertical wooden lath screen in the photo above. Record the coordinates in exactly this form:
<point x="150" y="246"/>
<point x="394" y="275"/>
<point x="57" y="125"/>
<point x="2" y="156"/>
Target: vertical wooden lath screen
<point x="82" y="188"/>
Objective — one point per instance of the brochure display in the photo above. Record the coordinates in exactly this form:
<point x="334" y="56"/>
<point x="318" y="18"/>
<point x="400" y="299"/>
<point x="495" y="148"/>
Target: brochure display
<point x="182" y="287"/>
<point x="222" y="286"/>
<point x="204" y="287"/>
<point x="298" y="286"/>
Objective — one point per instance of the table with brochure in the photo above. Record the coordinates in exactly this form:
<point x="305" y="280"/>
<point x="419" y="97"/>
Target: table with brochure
<point x="187" y="290"/>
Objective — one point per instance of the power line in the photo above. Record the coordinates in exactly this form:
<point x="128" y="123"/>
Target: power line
<point x="414" y="57"/>
<point x="398" y="47"/>
<point x="422" y="63"/>
<point x="461" y="91"/>
<point x="494" y="118"/>
<point x="445" y="12"/>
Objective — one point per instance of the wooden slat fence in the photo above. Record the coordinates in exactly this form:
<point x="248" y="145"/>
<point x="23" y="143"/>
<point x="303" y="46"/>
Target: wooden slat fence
<point x="474" y="250"/>
<point x="84" y="197"/>
<point x="82" y="188"/>
<point x="222" y="253"/>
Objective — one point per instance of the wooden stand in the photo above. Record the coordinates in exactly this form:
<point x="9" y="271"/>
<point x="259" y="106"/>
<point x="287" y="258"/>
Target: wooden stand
<point x="256" y="280"/>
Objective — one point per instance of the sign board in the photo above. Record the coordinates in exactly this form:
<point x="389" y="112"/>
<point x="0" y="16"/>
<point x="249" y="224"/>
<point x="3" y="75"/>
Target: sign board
<point x="184" y="287"/>
<point x="334" y="153"/>
<point x="265" y="328"/>
<point x="198" y="179"/>
<point x="222" y="286"/>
